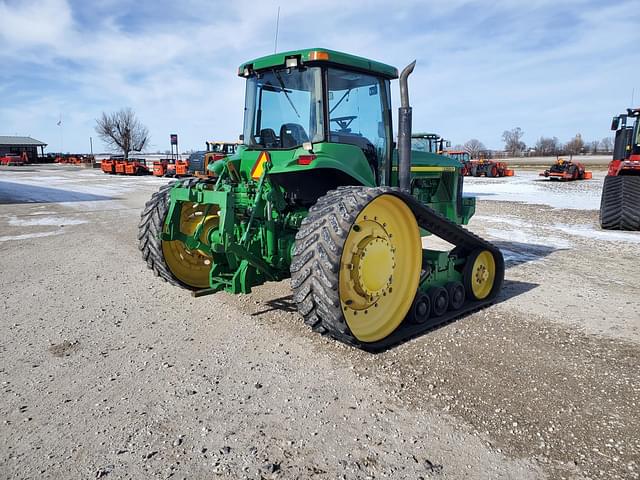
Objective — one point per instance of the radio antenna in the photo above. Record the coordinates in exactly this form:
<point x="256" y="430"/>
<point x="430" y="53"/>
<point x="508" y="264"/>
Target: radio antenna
<point x="275" y="46"/>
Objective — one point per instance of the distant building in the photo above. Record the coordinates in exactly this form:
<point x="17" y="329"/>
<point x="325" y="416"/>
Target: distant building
<point x="18" y="145"/>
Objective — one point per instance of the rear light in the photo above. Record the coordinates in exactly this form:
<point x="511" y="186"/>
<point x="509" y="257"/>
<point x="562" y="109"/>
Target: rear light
<point x="306" y="159"/>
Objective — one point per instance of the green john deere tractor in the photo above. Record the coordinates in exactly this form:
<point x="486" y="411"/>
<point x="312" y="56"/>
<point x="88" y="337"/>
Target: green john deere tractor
<point x="319" y="192"/>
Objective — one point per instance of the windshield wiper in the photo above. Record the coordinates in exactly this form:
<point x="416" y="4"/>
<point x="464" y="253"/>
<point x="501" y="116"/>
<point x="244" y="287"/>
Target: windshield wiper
<point x="339" y="101"/>
<point x="284" y="90"/>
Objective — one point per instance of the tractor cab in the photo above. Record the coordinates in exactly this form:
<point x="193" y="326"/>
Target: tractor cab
<point x="429" y="142"/>
<point x="226" y="148"/>
<point x="324" y="119"/>
<point x="460" y="155"/>
<point x="627" y="142"/>
<point x="321" y="104"/>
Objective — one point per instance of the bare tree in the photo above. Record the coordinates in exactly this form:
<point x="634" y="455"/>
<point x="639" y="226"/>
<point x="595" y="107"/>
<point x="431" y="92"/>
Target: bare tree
<point x="122" y="131"/>
<point x="512" y="141"/>
<point x="606" y="145"/>
<point x="547" y="146"/>
<point x="473" y="147"/>
<point x="594" y="145"/>
<point x="575" y="145"/>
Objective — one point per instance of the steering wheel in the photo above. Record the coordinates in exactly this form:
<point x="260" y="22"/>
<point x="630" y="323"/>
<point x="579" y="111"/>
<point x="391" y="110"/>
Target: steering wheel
<point x="344" y="122"/>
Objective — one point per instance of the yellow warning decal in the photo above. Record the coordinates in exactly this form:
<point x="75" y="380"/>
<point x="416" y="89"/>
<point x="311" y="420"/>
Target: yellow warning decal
<point x="258" y="167"/>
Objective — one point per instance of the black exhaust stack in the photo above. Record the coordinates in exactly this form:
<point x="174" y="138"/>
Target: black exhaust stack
<point x="404" y="131"/>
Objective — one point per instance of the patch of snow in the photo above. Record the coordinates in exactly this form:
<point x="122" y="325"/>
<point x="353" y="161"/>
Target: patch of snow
<point x="521" y="236"/>
<point x="26" y="236"/>
<point x="589" y="231"/>
<point x="530" y="188"/>
<point x="43" y="220"/>
<point x="580" y="230"/>
<point x="513" y="221"/>
<point x="104" y="185"/>
<point x="101" y="206"/>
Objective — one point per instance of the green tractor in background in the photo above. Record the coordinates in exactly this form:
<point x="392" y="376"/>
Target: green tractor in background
<point x="318" y="192"/>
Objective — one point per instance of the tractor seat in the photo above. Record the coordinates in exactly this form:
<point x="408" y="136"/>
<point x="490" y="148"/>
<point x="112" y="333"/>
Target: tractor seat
<point x="268" y="138"/>
<point x="292" y="135"/>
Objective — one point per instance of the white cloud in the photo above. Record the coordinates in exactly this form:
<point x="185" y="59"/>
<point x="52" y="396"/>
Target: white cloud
<point x="34" y="23"/>
<point x="481" y="68"/>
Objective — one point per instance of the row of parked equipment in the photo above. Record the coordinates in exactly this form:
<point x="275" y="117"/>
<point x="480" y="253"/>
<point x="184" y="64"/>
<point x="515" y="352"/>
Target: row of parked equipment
<point x="483" y="166"/>
<point x="74" y="159"/>
<point x="14" y="159"/>
<point x="196" y="165"/>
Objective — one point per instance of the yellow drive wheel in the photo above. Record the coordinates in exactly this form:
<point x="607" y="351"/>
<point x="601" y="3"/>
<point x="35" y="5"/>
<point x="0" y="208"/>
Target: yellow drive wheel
<point x="380" y="268"/>
<point x="191" y="267"/>
<point x="356" y="264"/>
<point x="480" y="274"/>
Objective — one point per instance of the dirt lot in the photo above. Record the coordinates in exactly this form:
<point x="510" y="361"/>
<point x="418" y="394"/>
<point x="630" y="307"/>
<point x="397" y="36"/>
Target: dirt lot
<point x="107" y="372"/>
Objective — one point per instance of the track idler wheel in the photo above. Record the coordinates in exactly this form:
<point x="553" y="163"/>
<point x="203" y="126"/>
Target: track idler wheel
<point x="479" y="274"/>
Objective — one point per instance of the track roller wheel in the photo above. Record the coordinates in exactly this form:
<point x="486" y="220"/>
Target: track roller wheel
<point x="456" y="295"/>
<point x="356" y="264"/>
<point x="172" y="261"/>
<point x="439" y="300"/>
<point x="420" y="309"/>
<point x="479" y="274"/>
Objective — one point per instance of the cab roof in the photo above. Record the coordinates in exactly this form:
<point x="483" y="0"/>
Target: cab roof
<point x="321" y="55"/>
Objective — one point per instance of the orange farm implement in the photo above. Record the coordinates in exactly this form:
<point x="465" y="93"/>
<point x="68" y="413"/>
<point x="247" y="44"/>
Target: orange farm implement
<point x="566" y="170"/>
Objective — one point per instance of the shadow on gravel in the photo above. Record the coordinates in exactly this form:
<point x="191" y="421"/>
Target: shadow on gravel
<point x="285" y="304"/>
<point x="517" y="253"/>
<point x="11" y="193"/>
<point x="408" y="331"/>
<point x="513" y="288"/>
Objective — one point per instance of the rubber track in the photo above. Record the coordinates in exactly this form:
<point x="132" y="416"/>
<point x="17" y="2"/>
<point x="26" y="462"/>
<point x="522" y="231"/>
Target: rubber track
<point x="620" y="203"/>
<point x="318" y="249"/>
<point x="149" y="229"/>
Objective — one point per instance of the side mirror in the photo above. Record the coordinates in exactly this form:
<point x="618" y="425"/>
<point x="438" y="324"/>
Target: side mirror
<point x="615" y="123"/>
<point x="448" y="143"/>
<point x="241" y="137"/>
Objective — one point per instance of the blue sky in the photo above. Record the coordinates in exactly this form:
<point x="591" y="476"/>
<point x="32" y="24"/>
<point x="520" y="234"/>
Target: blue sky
<point x="549" y="67"/>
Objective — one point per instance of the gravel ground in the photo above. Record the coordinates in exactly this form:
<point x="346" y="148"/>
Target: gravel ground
<point x="106" y="372"/>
